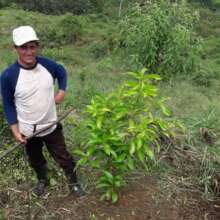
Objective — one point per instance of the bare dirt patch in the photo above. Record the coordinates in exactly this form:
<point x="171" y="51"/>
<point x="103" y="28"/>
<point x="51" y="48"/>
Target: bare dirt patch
<point x="140" y="200"/>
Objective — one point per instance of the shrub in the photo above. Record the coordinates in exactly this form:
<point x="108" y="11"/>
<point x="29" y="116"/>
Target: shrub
<point x="159" y="35"/>
<point x="56" y="6"/>
<point x="207" y="3"/>
<point x="124" y="128"/>
<point x="66" y="31"/>
<point x="98" y="49"/>
<point x="105" y="64"/>
<point x="71" y="28"/>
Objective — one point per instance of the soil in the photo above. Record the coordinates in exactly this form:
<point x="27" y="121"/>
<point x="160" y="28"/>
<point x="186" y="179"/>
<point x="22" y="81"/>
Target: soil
<point x="142" y="199"/>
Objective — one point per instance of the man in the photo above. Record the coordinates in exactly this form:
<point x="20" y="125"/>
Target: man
<point x="30" y="104"/>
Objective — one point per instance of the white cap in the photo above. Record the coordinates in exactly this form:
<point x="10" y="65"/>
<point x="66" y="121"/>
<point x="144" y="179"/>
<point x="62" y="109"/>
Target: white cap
<point x="24" y="34"/>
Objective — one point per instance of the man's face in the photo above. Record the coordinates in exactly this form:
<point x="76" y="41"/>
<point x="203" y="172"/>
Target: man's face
<point x="27" y="53"/>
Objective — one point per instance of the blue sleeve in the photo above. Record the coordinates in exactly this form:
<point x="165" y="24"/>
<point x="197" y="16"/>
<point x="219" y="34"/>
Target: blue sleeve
<point x="57" y="70"/>
<point x="61" y="76"/>
<point x="7" y="92"/>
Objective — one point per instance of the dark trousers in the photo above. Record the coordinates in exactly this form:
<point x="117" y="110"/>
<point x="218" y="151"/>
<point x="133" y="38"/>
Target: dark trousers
<point x="56" y="147"/>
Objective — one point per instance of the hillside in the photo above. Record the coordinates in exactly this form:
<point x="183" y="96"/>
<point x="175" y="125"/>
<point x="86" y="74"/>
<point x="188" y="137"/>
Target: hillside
<point x="183" y="184"/>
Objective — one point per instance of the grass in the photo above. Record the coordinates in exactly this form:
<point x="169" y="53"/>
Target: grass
<point x="196" y="103"/>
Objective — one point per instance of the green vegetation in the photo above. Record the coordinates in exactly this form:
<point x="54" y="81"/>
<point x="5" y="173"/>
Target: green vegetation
<point x="56" y="6"/>
<point x="124" y="128"/>
<point x="160" y="37"/>
<point x="180" y="42"/>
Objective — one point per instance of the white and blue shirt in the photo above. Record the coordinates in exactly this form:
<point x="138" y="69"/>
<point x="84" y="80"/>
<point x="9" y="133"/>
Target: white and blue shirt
<point x="28" y="94"/>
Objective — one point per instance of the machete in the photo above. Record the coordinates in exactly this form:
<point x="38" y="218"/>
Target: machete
<point x="36" y="133"/>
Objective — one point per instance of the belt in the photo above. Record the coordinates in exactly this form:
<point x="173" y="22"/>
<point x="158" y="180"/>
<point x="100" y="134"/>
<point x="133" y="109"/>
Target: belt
<point x="34" y="128"/>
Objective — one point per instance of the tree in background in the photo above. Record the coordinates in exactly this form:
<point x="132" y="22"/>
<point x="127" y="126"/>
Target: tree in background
<point x="57" y="6"/>
<point x="160" y="35"/>
<point x="206" y="3"/>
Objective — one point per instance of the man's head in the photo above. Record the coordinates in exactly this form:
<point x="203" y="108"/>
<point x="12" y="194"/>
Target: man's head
<point x="26" y="44"/>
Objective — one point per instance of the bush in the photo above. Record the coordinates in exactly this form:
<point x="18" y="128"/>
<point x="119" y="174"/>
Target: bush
<point x="53" y="30"/>
<point x="56" y="6"/>
<point x="66" y="31"/>
<point x="206" y="3"/>
<point x="124" y="128"/>
<point x="160" y="36"/>
<point x="106" y="64"/>
<point x="98" y="49"/>
<point x="5" y="3"/>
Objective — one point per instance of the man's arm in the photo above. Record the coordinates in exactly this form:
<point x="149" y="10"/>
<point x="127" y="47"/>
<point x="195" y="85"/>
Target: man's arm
<point x="59" y="73"/>
<point x="61" y="76"/>
<point x="7" y="92"/>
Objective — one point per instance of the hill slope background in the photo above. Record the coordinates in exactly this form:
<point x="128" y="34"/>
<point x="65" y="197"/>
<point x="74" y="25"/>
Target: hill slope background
<point x="184" y="182"/>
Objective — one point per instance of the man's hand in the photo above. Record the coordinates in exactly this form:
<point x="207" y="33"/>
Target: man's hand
<point x="59" y="96"/>
<point x="18" y="135"/>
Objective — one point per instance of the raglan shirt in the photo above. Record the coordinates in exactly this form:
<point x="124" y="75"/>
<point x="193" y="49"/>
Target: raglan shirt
<point x="28" y="95"/>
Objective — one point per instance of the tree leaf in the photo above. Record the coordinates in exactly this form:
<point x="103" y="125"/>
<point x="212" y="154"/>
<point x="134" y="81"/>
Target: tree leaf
<point x="162" y="124"/>
<point x="114" y="197"/>
<point x="103" y="197"/>
<point x="131" y="84"/>
<point x="95" y="164"/>
<point x="121" y="158"/>
<point x="107" y="149"/>
<point x="90" y="150"/>
<point x="105" y="110"/>
<point x="130" y="163"/>
<point x="109" y="176"/>
<point x="165" y="110"/>
<point x="82" y="161"/>
<point x="79" y="152"/>
<point x="143" y="71"/>
<point x="132" y="148"/>
<point x="140" y="155"/>
<point x="139" y="143"/>
<point x="149" y="152"/>
<point x="99" y="122"/>
<point x="153" y="76"/>
<point x="102" y="185"/>
<point x="113" y="153"/>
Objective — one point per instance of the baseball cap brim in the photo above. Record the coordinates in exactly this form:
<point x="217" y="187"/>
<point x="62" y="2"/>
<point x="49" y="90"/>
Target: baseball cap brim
<point x="24" y="41"/>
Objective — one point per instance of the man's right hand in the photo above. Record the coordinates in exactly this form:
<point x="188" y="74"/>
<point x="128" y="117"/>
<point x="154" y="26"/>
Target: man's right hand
<point x="18" y="135"/>
<point x="20" y="138"/>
